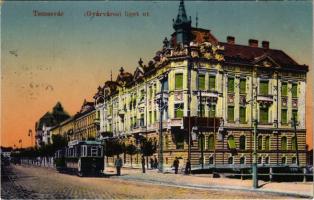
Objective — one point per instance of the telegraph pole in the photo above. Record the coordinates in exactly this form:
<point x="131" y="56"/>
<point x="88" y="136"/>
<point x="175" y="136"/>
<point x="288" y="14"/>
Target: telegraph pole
<point x="254" y="164"/>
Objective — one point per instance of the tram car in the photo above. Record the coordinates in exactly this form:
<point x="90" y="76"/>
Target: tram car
<point x="59" y="160"/>
<point x="82" y="157"/>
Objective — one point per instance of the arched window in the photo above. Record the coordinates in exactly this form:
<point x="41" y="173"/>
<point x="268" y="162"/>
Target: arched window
<point x="242" y="142"/>
<point x="231" y="142"/>
<point x="294" y="160"/>
<point x="201" y="141"/>
<point x="259" y="143"/>
<point x="293" y="143"/>
<point x="283" y="160"/>
<point x="230" y="160"/>
<point x="210" y="142"/>
<point x="267" y="160"/>
<point x="259" y="160"/>
<point x="242" y="160"/>
<point x="284" y="143"/>
<point x="211" y="160"/>
<point x="266" y="143"/>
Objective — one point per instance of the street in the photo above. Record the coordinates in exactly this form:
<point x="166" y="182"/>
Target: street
<point x="29" y="182"/>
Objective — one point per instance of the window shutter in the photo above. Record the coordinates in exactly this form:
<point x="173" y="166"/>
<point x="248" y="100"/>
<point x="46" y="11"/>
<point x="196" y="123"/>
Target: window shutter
<point x="231" y="143"/>
<point x="212" y="83"/>
<point x="293" y="144"/>
<point x="179" y="81"/>
<point x="284" y="89"/>
<point x="267" y="143"/>
<point x="264" y="115"/>
<point x="263" y="90"/>
<point x="284" y="116"/>
<point x="242" y="86"/>
<point x="230" y="113"/>
<point x="201" y="82"/>
<point x="230" y="84"/>
<point x="242" y="114"/>
<point x="283" y="143"/>
<point x="294" y="90"/>
<point x="211" y="144"/>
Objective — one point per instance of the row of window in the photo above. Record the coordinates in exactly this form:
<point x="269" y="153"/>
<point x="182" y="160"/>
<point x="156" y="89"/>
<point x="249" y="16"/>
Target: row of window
<point x="263" y="85"/>
<point x="260" y="160"/>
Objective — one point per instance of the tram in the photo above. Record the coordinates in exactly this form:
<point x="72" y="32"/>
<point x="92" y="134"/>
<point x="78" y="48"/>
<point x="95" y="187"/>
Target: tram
<point x="81" y="157"/>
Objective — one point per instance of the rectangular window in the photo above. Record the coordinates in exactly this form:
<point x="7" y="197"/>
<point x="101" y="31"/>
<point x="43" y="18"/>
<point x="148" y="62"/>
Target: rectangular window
<point x="284" y="89"/>
<point x="201" y="111"/>
<point x="165" y="84"/>
<point x="242" y="115"/>
<point x="230" y="84"/>
<point x="284" y="114"/>
<point x="178" y="110"/>
<point x="142" y="120"/>
<point x="212" y="83"/>
<point x="230" y="113"/>
<point x="179" y="81"/>
<point x="242" y="86"/>
<point x="263" y="117"/>
<point x="294" y="90"/>
<point x="212" y="111"/>
<point x="263" y="87"/>
<point x="201" y="82"/>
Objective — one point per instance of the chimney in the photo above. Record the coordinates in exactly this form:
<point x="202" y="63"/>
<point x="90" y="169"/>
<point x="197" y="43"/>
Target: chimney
<point x="230" y="39"/>
<point x="265" y="44"/>
<point x="253" y="43"/>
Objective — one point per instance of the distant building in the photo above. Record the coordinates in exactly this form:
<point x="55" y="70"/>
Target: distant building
<point x="46" y="122"/>
<point x="213" y="92"/>
<point x="82" y="126"/>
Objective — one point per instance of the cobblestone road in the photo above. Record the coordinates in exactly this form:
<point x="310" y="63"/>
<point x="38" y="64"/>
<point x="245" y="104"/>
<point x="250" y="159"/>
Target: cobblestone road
<point x="25" y="182"/>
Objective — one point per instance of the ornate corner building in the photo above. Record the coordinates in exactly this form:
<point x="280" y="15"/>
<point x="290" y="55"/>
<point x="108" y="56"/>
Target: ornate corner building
<point x="201" y="98"/>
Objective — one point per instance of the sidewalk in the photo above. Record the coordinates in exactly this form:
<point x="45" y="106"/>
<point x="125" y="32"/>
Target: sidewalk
<point x="205" y="181"/>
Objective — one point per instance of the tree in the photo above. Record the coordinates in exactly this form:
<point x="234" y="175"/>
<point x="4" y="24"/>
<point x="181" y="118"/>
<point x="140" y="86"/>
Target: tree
<point x="113" y="147"/>
<point x="148" y="147"/>
<point x="59" y="141"/>
<point x="131" y="150"/>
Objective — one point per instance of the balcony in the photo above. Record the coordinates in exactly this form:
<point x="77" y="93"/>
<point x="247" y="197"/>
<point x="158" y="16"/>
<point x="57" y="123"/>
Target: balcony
<point x="265" y="99"/>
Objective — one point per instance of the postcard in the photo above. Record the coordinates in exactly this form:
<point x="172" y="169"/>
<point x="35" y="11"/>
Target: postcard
<point x="156" y="99"/>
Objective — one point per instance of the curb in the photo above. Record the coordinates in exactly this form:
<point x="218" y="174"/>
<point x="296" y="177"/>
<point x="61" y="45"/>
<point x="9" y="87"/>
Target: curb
<point x="215" y="187"/>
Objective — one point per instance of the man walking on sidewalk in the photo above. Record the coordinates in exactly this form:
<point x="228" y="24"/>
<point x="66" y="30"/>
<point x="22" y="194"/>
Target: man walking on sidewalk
<point x="118" y="165"/>
<point x="176" y="165"/>
<point x="188" y="167"/>
<point x="143" y="164"/>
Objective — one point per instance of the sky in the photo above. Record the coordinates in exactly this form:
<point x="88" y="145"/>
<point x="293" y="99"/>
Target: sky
<point x="65" y="58"/>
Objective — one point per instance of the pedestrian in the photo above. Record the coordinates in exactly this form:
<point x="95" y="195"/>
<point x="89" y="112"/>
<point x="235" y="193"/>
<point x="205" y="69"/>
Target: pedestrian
<point x="151" y="163"/>
<point x="118" y="165"/>
<point x="155" y="162"/>
<point x="188" y="167"/>
<point x="143" y="164"/>
<point x="176" y="165"/>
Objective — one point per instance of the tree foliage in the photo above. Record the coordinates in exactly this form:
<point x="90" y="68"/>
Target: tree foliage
<point x="114" y="147"/>
<point x="148" y="147"/>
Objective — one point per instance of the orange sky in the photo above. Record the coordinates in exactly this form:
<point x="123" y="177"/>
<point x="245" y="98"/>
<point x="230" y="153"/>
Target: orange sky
<point x="45" y="60"/>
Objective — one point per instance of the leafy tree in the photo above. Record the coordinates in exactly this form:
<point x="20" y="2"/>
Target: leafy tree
<point x="59" y="141"/>
<point x="113" y="147"/>
<point x="148" y="147"/>
<point x="131" y="150"/>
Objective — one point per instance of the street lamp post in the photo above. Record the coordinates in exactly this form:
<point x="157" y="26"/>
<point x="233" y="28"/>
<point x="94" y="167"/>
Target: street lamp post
<point x="30" y="134"/>
<point x="162" y="105"/>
